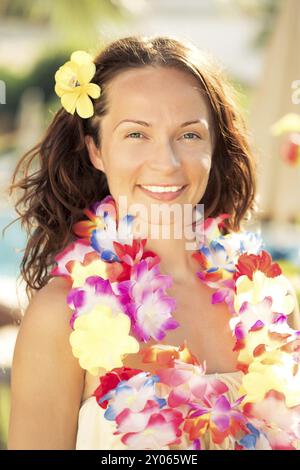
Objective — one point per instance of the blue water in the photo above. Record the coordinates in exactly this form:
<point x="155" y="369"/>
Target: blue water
<point x="13" y="240"/>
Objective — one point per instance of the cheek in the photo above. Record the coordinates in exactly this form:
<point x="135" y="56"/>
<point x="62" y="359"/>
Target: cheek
<point x="122" y="174"/>
<point x="206" y="163"/>
<point x="199" y="171"/>
<point x="120" y="167"/>
<point x="201" y="166"/>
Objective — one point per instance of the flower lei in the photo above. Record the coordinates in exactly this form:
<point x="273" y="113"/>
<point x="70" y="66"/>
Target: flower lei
<point x="118" y="296"/>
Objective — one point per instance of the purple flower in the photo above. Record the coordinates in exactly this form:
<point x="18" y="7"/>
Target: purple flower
<point x="144" y="300"/>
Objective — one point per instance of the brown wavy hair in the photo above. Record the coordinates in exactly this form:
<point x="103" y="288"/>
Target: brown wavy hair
<point x="58" y="179"/>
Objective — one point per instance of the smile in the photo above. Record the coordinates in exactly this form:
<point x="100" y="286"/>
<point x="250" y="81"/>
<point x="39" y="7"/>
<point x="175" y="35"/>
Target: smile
<point x="165" y="193"/>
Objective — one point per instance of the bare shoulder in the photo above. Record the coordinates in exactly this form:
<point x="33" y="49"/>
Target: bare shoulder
<point x="47" y="381"/>
<point x="49" y="307"/>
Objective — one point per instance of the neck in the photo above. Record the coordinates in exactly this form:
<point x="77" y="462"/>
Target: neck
<point x="175" y="253"/>
<point x="175" y="258"/>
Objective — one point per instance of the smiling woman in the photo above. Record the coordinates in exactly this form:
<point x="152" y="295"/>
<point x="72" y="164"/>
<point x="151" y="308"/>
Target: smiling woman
<point x="164" y="82"/>
<point x="157" y="124"/>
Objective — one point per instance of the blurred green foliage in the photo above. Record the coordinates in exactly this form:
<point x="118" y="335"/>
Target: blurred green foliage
<point x="75" y="22"/>
<point x="41" y="76"/>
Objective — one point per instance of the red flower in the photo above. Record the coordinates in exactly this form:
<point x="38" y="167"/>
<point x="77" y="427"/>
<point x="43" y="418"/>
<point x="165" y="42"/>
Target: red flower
<point x="110" y="380"/>
<point x="130" y="255"/>
<point x="248" y="264"/>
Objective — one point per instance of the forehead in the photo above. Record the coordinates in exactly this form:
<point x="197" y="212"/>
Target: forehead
<point x="158" y="92"/>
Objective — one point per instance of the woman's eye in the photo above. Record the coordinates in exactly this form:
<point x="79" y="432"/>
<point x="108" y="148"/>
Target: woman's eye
<point x="137" y="135"/>
<point x="191" y="133"/>
<point x="134" y="133"/>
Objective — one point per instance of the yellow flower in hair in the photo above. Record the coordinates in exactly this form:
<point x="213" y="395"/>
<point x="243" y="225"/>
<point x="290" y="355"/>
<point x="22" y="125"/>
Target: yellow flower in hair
<point x="73" y="84"/>
<point x="101" y="338"/>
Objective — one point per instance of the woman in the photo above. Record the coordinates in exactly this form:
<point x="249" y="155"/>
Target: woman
<point x="162" y="127"/>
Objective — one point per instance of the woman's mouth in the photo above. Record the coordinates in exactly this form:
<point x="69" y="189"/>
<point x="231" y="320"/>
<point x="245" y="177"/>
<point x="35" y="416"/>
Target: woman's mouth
<point x="163" y="193"/>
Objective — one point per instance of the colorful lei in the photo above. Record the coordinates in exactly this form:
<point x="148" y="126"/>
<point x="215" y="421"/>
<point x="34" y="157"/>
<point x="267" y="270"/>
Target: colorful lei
<point x="118" y="296"/>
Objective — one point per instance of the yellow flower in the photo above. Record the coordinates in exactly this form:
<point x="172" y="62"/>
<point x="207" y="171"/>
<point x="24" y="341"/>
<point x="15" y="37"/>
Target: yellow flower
<point x="101" y="338"/>
<point x="255" y="339"/>
<point x="80" y="271"/>
<point x="262" y="286"/>
<point x="73" y="84"/>
<point x="276" y="371"/>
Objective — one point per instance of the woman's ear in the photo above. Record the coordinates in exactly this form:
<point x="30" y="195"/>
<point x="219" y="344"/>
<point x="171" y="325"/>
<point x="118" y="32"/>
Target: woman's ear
<point x="94" y="153"/>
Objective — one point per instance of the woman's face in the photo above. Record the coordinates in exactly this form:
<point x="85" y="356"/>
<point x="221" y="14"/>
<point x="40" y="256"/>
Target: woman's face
<point x="162" y="149"/>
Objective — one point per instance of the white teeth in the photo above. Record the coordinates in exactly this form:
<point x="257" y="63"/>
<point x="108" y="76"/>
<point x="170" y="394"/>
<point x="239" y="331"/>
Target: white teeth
<point x="162" y="189"/>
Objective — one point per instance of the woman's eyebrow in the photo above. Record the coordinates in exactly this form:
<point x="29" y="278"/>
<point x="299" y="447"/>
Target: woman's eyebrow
<point x="147" y="124"/>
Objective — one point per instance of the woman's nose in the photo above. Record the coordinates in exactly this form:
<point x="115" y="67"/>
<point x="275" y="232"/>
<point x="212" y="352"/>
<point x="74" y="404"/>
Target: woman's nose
<point x="165" y="158"/>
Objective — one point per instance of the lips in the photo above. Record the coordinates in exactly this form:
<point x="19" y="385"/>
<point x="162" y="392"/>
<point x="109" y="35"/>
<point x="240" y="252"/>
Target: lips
<point x="163" y="196"/>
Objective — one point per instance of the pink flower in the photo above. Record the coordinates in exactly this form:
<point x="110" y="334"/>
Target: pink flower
<point x="74" y="251"/>
<point x="188" y="383"/>
<point x="251" y="317"/>
<point x="225" y="293"/>
<point x="282" y="428"/>
<point x="221" y="417"/>
<point x="162" y="429"/>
